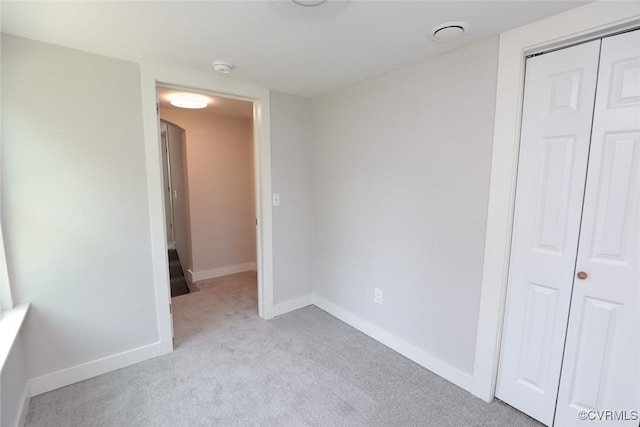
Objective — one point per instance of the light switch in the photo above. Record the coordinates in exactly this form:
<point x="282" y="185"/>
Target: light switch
<point x="276" y="199"/>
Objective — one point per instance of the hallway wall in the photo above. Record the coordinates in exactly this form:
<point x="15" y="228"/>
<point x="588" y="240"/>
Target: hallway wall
<point x="219" y="152"/>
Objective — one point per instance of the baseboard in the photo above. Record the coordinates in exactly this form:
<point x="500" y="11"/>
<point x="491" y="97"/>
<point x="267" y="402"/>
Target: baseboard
<point x="190" y="283"/>
<point x="24" y="409"/>
<point x="84" y="371"/>
<point x="292" y="304"/>
<point x="450" y="373"/>
<point x="192" y="286"/>
<point x="196" y="276"/>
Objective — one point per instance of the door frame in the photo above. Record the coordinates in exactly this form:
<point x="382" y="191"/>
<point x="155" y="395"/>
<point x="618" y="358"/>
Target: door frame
<point x="256" y="164"/>
<point x="152" y="76"/>
<point x="164" y="147"/>
<point x="580" y="24"/>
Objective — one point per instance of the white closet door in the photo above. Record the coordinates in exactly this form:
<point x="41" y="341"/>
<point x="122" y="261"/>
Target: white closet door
<point x="554" y="148"/>
<point x="601" y="369"/>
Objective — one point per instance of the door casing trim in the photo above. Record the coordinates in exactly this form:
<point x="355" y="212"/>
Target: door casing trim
<point x="152" y="76"/>
<point x="599" y="18"/>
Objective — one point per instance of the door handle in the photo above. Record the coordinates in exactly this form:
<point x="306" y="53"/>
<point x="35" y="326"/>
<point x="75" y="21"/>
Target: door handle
<point x="582" y="275"/>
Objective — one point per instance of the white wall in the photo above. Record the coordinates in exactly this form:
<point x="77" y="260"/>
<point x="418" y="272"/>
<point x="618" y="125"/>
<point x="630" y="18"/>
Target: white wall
<point x="14" y="392"/>
<point x="401" y="178"/>
<point x="75" y="204"/>
<point x="291" y="146"/>
<point x="220" y="180"/>
<point x="391" y="191"/>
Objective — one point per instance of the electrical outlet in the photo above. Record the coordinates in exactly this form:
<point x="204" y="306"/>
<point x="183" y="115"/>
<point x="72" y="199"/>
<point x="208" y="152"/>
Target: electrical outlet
<point x="377" y="296"/>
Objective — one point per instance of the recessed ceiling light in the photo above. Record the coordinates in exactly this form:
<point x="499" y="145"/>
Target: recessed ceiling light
<point x="309" y="3"/>
<point x="449" y="31"/>
<point x="222" y="67"/>
<point x="188" y="101"/>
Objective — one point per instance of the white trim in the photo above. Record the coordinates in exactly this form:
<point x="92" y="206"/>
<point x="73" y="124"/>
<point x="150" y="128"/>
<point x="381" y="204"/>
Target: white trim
<point x="10" y="323"/>
<point x="439" y="367"/>
<point x="24" y="406"/>
<point x="155" y="194"/>
<point x="84" y="371"/>
<point x="292" y="304"/>
<point x="153" y="75"/>
<point x="6" y="300"/>
<point x="264" y="208"/>
<point x="196" y="276"/>
<point x="563" y="29"/>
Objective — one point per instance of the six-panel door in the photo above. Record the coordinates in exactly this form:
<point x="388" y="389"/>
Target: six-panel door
<point x="554" y="150"/>
<point x="601" y="368"/>
<point x="576" y="240"/>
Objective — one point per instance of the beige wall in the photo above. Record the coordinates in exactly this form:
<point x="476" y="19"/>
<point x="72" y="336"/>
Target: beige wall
<point x="291" y="146"/>
<point x="220" y="180"/>
<point x="401" y="179"/>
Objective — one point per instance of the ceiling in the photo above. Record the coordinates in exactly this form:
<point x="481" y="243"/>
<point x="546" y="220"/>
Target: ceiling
<point x="216" y="104"/>
<point x="272" y="43"/>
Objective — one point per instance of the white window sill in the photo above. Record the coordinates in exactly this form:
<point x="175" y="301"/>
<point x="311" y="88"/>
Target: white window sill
<point x="10" y="323"/>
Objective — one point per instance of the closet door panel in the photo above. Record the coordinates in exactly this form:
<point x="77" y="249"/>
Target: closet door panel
<point x="601" y="368"/>
<point x="554" y="148"/>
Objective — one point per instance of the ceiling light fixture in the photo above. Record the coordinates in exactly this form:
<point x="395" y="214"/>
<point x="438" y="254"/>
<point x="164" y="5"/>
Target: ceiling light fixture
<point x="449" y="31"/>
<point x="188" y="101"/>
<point x="309" y="3"/>
<point x="222" y="67"/>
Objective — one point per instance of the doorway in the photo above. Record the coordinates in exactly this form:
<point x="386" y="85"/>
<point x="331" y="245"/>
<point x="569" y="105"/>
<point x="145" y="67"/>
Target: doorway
<point x="177" y="211"/>
<point x="215" y="147"/>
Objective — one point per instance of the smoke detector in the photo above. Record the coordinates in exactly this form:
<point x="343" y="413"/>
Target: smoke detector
<point x="222" y="67"/>
<point x="449" y="31"/>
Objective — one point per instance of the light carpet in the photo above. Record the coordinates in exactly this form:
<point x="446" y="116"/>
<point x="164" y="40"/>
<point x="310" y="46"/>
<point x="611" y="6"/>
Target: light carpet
<point x="231" y="368"/>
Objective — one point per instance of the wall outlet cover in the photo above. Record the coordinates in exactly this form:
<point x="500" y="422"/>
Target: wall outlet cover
<point x="377" y="296"/>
